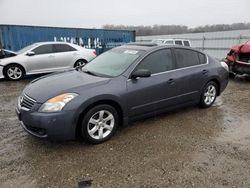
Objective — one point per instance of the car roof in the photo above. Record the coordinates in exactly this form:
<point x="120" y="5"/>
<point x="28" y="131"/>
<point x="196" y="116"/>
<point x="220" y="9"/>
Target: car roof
<point x="148" y="46"/>
<point x="52" y="42"/>
<point x="170" y="39"/>
<point x="145" y="46"/>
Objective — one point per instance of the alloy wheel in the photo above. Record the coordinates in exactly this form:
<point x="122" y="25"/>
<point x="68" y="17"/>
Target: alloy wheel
<point x="14" y="73"/>
<point x="209" y="95"/>
<point x="80" y="63"/>
<point x="101" y="124"/>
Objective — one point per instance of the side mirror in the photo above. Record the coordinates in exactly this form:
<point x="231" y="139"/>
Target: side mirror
<point x="141" y="73"/>
<point x="31" y="53"/>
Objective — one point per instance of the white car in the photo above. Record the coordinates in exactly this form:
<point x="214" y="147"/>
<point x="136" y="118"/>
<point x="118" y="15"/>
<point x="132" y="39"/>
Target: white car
<point x="44" y="57"/>
<point x="182" y="42"/>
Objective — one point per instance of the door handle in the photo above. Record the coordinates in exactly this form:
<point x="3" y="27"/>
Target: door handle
<point x="170" y="81"/>
<point x="204" y="71"/>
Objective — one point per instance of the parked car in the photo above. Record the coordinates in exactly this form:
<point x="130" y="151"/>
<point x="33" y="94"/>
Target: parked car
<point x="182" y="42"/>
<point x="121" y="85"/>
<point x="6" y="53"/>
<point x="44" y="57"/>
<point x="238" y="59"/>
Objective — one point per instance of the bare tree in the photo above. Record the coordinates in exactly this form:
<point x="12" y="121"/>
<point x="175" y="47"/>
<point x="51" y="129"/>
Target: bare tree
<point x="177" y="29"/>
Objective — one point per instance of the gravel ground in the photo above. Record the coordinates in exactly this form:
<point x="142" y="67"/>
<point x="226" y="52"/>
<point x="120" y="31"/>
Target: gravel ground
<point x="191" y="147"/>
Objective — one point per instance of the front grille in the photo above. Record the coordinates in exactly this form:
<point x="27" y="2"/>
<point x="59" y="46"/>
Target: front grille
<point x="26" y="102"/>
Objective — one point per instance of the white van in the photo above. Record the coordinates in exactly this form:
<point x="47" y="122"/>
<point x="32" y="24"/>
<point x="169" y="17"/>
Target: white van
<point x="182" y="42"/>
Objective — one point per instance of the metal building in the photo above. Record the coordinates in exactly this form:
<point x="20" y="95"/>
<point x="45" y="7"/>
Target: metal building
<point x="216" y="44"/>
<point x="15" y="37"/>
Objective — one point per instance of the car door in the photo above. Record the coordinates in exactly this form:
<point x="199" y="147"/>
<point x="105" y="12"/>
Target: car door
<point x="191" y="73"/>
<point x="146" y="95"/>
<point x="65" y="56"/>
<point x="43" y="59"/>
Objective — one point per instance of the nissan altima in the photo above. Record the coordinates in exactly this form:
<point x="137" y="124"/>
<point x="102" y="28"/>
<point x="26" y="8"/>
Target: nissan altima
<point x="44" y="57"/>
<point x="122" y="85"/>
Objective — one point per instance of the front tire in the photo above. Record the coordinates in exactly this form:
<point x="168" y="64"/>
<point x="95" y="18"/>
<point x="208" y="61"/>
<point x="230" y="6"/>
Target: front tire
<point x="99" y="124"/>
<point x="14" y="72"/>
<point x="209" y="94"/>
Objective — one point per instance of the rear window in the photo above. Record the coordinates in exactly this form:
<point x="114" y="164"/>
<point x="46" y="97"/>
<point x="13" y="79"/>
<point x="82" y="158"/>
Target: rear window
<point x="186" y="58"/>
<point x="63" y="48"/>
<point x="186" y="43"/>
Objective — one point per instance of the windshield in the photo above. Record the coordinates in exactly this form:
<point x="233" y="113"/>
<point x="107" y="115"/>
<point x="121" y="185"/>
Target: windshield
<point x="27" y="48"/>
<point x="112" y="63"/>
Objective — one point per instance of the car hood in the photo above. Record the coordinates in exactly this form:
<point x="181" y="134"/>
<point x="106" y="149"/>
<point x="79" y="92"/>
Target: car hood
<point x="47" y="87"/>
<point x="8" y="60"/>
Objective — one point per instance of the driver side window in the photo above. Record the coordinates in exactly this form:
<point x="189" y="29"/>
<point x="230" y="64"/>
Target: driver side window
<point x="159" y="61"/>
<point x="44" y="49"/>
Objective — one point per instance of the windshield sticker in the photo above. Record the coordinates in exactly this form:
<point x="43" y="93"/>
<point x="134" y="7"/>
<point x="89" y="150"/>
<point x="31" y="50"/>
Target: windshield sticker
<point x="133" y="52"/>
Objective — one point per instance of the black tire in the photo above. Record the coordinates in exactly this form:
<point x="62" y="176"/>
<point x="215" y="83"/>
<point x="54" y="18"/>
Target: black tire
<point x="207" y="100"/>
<point x="17" y="70"/>
<point x="94" y="114"/>
<point x="80" y="62"/>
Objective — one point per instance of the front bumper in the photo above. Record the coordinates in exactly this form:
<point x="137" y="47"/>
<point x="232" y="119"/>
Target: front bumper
<point x="1" y="72"/>
<point x="54" y="126"/>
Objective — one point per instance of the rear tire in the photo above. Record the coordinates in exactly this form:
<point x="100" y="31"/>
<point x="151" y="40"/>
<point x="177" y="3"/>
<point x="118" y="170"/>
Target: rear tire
<point x="99" y="124"/>
<point x="14" y="72"/>
<point x="209" y="94"/>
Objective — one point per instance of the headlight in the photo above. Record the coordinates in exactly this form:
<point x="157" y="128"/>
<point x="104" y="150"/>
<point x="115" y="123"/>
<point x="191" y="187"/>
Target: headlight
<point x="57" y="103"/>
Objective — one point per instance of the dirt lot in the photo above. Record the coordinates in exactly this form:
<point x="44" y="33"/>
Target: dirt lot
<point x="191" y="147"/>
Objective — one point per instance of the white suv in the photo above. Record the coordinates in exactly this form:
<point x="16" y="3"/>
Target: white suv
<point x="182" y="42"/>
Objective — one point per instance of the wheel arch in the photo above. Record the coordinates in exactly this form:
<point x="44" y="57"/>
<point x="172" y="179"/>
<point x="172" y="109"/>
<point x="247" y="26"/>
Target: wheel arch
<point x="215" y="80"/>
<point x="110" y="102"/>
<point x="80" y="59"/>
<point x="4" y="68"/>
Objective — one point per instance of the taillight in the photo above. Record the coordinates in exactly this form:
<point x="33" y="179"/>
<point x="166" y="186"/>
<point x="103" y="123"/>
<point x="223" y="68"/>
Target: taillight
<point x="224" y="65"/>
<point x="94" y="52"/>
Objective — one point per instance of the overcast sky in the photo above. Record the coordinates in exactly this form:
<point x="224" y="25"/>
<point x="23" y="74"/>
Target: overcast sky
<point x="90" y="13"/>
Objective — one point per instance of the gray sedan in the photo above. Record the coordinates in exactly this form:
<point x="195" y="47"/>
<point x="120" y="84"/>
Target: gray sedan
<point x="122" y="85"/>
